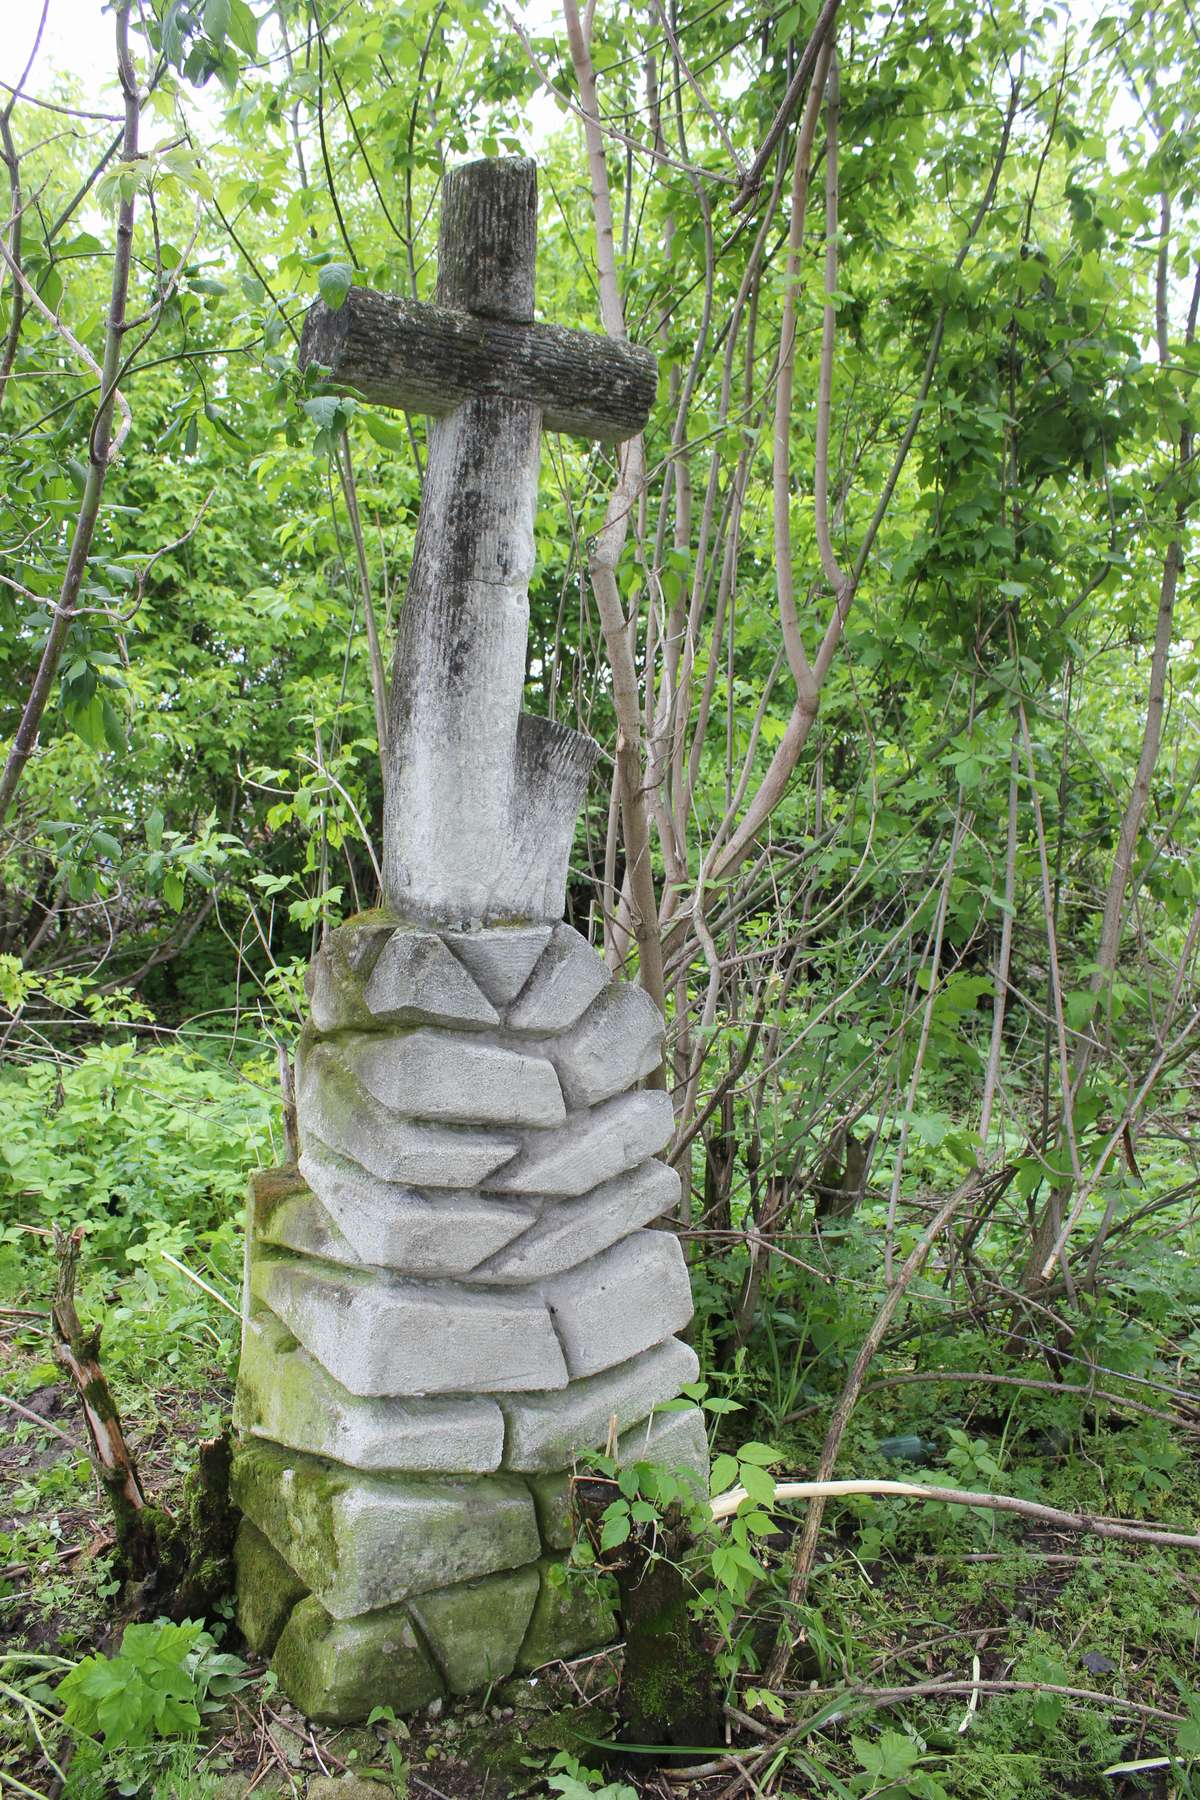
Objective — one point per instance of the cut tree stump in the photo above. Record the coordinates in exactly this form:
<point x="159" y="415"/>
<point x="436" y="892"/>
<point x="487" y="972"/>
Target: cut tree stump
<point x="669" y="1695"/>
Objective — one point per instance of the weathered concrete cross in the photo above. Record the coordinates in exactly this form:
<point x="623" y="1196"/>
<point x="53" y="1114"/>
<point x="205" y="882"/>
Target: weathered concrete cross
<point x="480" y="798"/>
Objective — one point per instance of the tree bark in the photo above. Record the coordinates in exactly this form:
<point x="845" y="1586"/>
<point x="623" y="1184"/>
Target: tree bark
<point x="668" y="1694"/>
<point x="78" y="1352"/>
<point x="606" y="552"/>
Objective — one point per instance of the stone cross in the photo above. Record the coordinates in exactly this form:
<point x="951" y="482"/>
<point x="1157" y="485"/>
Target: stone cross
<point x="480" y="798"/>
<point x="458" y="1292"/>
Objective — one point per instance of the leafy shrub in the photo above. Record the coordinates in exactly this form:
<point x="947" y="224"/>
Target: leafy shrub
<point x="575" y="1782"/>
<point x="154" y="1687"/>
<point x="137" y="1144"/>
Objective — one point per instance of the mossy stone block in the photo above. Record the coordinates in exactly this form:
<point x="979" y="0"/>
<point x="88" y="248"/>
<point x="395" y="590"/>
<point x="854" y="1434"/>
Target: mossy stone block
<point x="285" y="1211"/>
<point x="285" y="1396"/>
<point x="335" y="979"/>
<point x="475" y="1629"/>
<point x="336" y="1670"/>
<point x="270" y="1188"/>
<point x="551" y="1494"/>
<point x="362" y="1542"/>
<point x="267" y="1589"/>
<point x="547" y="1431"/>
<point x="333" y="1106"/>
<point x="569" y="1616"/>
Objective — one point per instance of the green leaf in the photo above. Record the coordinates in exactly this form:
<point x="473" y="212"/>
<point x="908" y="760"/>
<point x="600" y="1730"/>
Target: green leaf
<point x="723" y="1474"/>
<point x="615" y="1531"/>
<point x="87" y="722"/>
<point x="388" y="433"/>
<point x="114" y="730"/>
<point x="243" y="27"/>
<point x="173" y="890"/>
<point x="758" y="1484"/>
<point x="890" y="1758"/>
<point x="334" y="281"/>
<point x="217" y="15"/>
<point x="762" y="1454"/>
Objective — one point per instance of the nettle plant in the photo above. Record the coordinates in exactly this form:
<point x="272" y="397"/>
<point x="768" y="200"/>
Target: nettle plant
<point x="721" y="1567"/>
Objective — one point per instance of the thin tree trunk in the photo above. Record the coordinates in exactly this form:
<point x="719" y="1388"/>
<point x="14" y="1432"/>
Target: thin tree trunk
<point x="606" y="552"/>
<point x="1108" y="952"/>
<point x="101" y="446"/>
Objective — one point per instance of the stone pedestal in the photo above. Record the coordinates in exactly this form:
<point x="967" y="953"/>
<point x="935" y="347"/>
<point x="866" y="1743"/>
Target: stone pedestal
<point x="458" y="1292"/>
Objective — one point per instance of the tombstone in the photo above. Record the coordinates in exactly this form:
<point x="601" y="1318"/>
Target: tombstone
<point x="459" y="1290"/>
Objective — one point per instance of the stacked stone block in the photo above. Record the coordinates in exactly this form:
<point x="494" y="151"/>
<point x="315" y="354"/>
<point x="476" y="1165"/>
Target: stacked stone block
<point x="457" y="1293"/>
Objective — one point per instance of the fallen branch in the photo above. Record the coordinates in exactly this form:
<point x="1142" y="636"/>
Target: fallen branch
<point x="725" y="1505"/>
<point x="25" y="1412"/>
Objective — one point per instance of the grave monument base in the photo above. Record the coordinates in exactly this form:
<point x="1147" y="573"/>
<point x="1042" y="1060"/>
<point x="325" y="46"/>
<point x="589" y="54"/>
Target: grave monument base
<point x="459" y="1290"/>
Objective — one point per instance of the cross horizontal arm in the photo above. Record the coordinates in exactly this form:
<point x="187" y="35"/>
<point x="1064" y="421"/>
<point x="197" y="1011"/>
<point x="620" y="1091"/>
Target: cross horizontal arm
<point x="428" y="359"/>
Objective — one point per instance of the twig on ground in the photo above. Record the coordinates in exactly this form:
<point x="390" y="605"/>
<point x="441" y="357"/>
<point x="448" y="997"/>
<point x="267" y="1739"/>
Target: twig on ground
<point x="26" y="1412"/>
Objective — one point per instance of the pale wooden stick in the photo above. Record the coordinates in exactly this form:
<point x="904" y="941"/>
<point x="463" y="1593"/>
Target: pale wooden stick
<point x="725" y="1505"/>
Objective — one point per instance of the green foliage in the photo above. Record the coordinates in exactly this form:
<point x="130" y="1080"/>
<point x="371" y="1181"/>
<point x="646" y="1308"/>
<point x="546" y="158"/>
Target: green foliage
<point x="156" y="1686"/>
<point x="206" y="789"/>
<point x="573" y="1781"/>
<point x="890" y="1768"/>
<point x="149" y="1148"/>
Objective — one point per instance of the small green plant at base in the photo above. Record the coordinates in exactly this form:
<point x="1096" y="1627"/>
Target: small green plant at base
<point x="753" y="1698"/>
<point x="734" y="1564"/>
<point x="156" y="1686"/>
<point x="890" y="1768"/>
<point x="398" y="1764"/>
<point x="574" y="1782"/>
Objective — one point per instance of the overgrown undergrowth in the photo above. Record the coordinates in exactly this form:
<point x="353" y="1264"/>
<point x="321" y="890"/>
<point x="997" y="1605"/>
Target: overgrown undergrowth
<point x="1058" y="1658"/>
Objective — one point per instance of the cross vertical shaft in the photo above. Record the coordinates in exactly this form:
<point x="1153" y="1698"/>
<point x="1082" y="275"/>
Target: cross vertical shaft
<point x="480" y="799"/>
<point x="459" y="667"/>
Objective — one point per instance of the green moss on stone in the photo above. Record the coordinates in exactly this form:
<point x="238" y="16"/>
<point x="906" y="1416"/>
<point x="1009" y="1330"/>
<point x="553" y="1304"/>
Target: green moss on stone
<point x="550" y="1497"/>
<point x="268" y="1187"/>
<point x="267" y="1589"/>
<point x="337" y="1670"/>
<point x="475" y="1628"/>
<point x="569" y="1616"/>
<point x="372" y="917"/>
<point x="298" y="1221"/>
<point x="291" y="1499"/>
<point x="363" y="1542"/>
